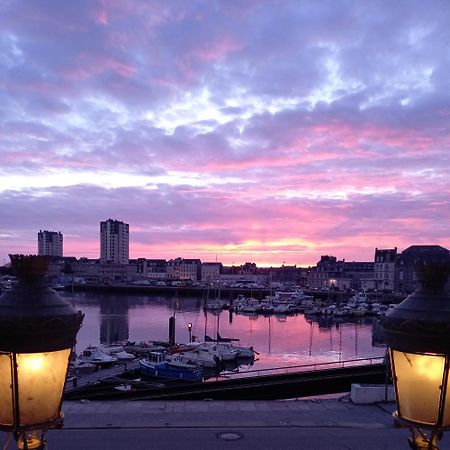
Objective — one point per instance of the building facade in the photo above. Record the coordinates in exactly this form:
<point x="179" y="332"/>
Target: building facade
<point x="405" y="274"/>
<point x="184" y="269"/>
<point x="211" y="272"/>
<point x="359" y="276"/>
<point x="151" y="268"/>
<point x="327" y="273"/>
<point x="50" y="243"/>
<point x="385" y="261"/>
<point x="114" y="242"/>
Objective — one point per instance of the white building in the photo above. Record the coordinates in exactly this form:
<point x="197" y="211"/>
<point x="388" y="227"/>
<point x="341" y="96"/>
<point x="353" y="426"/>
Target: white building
<point x="50" y="243"/>
<point x="114" y="242"/>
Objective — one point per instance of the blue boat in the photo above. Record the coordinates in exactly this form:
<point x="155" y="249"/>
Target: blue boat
<point x="155" y="366"/>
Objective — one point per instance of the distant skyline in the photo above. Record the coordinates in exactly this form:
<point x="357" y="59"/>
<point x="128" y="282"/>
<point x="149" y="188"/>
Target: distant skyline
<point x="264" y="131"/>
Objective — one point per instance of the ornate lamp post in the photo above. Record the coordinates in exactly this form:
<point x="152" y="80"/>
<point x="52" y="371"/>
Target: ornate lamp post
<point x="418" y="335"/>
<point x="37" y="333"/>
<point x="190" y="331"/>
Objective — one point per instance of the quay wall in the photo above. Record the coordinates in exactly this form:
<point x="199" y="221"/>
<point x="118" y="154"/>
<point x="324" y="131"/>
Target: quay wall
<point x="226" y="293"/>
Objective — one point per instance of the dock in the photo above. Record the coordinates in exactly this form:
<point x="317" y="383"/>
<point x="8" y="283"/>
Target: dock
<point x="267" y="384"/>
<point x="81" y="382"/>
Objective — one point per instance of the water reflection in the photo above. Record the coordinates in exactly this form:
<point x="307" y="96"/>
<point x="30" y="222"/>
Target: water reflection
<point x="279" y="340"/>
<point x="114" y="326"/>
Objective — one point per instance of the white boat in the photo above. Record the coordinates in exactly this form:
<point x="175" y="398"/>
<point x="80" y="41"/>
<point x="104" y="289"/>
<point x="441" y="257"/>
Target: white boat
<point x="216" y="349"/>
<point x="195" y="357"/>
<point x="251" y="305"/>
<point x="215" y="305"/>
<point x="242" y="351"/>
<point x="119" y="352"/>
<point x="180" y="363"/>
<point x="96" y="355"/>
<point x="359" y="297"/>
<point x="360" y="310"/>
<point x="282" y="308"/>
<point x="124" y="356"/>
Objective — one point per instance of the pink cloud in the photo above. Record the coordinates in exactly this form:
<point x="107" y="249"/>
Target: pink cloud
<point x="101" y="14"/>
<point x="217" y="50"/>
<point x="87" y="66"/>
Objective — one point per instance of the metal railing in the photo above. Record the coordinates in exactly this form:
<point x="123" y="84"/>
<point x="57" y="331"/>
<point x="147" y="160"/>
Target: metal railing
<point x="313" y="367"/>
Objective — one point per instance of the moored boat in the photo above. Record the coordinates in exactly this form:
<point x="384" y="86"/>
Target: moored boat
<point x="196" y="356"/>
<point x="156" y="366"/>
<point x="97" y="356"/>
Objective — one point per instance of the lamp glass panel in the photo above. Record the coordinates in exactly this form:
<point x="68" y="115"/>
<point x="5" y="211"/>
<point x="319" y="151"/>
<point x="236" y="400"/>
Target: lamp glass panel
<point x="6" y="405"/>
<point x="41" y="378"/>
<point x="446" y="420"/>
<point x="419" y="378"/>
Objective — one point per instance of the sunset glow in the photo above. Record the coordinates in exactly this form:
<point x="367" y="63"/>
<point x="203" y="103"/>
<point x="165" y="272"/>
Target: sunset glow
<point x="270" y="132"/>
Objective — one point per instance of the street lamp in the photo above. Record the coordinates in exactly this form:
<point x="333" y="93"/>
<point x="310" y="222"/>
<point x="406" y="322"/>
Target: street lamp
<point x="418" y="335"/>
<point x="37" y="333"/>
<point x="190" y="331"/>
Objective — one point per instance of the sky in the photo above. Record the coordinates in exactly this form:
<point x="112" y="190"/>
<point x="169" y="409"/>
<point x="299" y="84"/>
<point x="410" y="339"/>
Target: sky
<point x="232" y="130"/>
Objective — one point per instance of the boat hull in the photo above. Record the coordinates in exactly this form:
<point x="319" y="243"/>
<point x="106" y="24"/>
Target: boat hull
<point x="167" y="372"/>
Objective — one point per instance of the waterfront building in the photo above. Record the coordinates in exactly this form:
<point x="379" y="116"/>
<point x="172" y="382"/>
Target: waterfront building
<point x="211" y="272"/>
<point x="184" y="269"/>
<point x="385" y="268"/>
<point x="155" y="269"/>
<point x="50" y="243"/>
<point x="93" y="271"/>
<point x="360" y="274"/>
<point x="326" y="273"/>
<point x="114" y="242"/>
<point x="284" y="275"/>
<point x="331" y="273"/>
<point x="405" y="274"/>
<point x="243" y="276"/>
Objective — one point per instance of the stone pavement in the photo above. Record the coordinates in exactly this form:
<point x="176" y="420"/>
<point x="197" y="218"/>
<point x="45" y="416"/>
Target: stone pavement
<point x="285" y="424"/>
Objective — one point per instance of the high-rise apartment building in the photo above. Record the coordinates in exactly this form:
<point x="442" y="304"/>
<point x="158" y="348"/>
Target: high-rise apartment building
<point x="50" y="243"/>
<point x="114" y="242"/>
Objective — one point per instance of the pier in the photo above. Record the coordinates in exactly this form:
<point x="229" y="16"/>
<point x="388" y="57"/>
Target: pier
<point x="267" y="384"/>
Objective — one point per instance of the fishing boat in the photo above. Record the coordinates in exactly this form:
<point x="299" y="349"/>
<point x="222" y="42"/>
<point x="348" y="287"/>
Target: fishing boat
<point x="156" y="366"/>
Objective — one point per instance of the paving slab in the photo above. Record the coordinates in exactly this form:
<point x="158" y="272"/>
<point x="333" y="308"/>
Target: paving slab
<point x="328" y="424"/>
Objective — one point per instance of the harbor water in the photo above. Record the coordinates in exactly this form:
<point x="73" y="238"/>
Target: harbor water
<point x="279" y="340"/>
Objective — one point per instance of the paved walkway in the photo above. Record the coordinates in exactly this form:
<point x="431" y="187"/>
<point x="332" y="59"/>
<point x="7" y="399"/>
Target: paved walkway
<point x="295" y="424"/>
<point x="153" y="414"/>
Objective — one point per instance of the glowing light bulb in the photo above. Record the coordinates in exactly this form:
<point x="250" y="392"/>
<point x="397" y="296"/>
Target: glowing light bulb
<point x="430" y="367"/>
<point x="33" y="362"/>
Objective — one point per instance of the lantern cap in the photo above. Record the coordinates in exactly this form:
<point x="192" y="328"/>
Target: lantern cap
<point x="421" y="322"/>
<point x="432" y="275"/>
<point x="33" y="317"/>
<point x="30" y="267"/>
